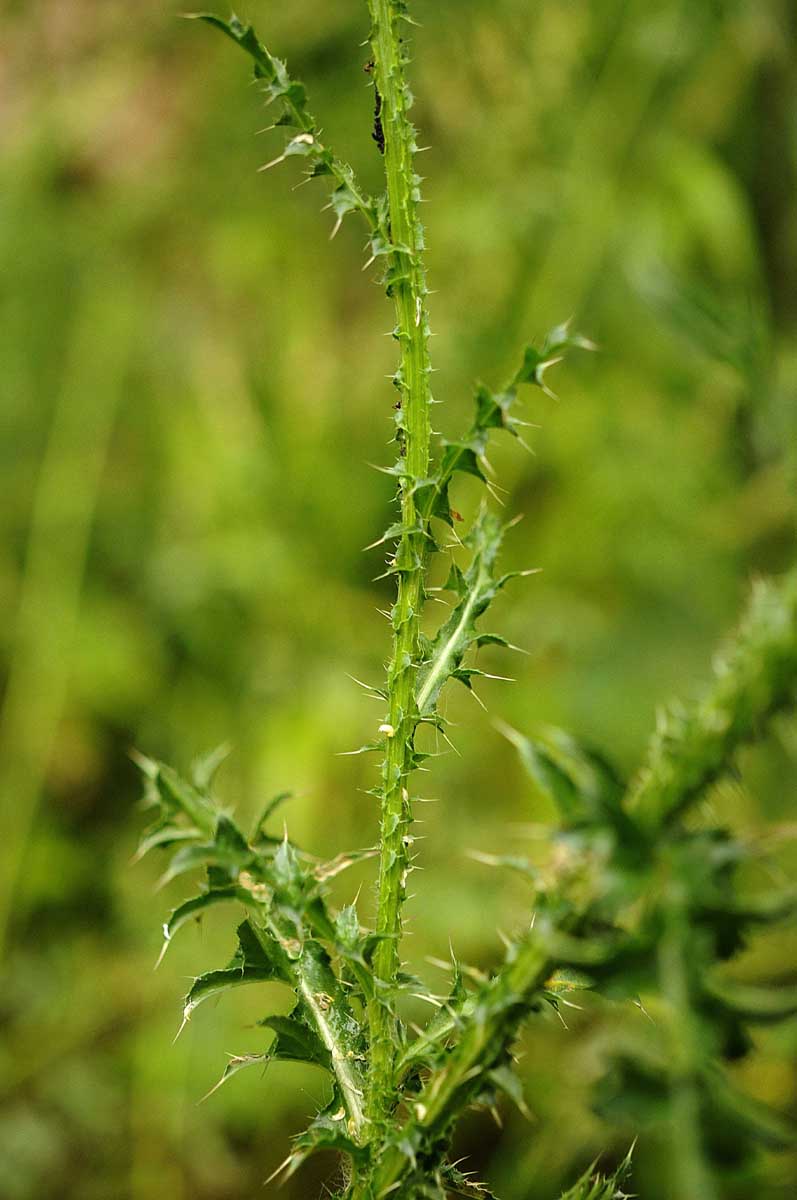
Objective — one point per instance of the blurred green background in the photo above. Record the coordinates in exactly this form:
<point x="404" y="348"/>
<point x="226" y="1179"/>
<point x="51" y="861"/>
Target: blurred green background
<point x="192" y="386"/>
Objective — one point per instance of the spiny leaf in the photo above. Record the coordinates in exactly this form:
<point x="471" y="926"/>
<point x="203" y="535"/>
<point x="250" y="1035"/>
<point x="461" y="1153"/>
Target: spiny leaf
<point x="249" y="964"/>
<point x="504" y="1079"/>
<point x="493" y="410"/>
<point x="238" y="1062"/>
<point x="176" y="792"/>
<point x="754" y="678"/>
<point x="177" y="800"/>
<point x="329" y="1131"/>
<point x="536" y="362"/>
<point x="228" y="854"/>
<point x="165" y="835"/>
<point x="432" y="1042"/>
<point x="342" y="862"/>
<point x="194" y="908"/>
<point x="547" y="776"/>
<point x="347" y="927"/>
<point x="475" y="589"/>
<point x="594" y="1186"/>
<point x="581" y="782"/>
<point x="258" y="833"/>
<point x="295" y="1041"/>
<point x="566" y="980"/>
<point x="513" y="862"/>
<point x="204" y="768"/>
<point x="266" y="66"/>
<point x="462" y="1185"/>
<point x="288" y="874"/>
<point x="278" y="85"/>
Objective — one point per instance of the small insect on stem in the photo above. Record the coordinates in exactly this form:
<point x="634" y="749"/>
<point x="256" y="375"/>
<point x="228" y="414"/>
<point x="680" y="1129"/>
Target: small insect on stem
<point x="378" y="132"/>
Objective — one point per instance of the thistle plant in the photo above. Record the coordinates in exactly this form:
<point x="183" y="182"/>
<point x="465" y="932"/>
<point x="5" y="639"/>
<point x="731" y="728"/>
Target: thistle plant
<point x="639" y="896"/>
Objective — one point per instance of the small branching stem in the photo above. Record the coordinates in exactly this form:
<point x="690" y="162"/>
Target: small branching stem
<point x="407" y="287"/>
<point x="484" y="1039"/>
<point x="753" y="680"/>
<point x="278" y="86"/>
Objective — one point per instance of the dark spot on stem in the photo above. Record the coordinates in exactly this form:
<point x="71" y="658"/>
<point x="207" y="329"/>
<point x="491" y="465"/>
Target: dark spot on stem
<point x="378" y="134"/>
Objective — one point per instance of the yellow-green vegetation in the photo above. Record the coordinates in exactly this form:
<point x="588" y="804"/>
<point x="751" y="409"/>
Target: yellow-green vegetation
<point x="631" y="895"/>
<point x="194" y="383"/>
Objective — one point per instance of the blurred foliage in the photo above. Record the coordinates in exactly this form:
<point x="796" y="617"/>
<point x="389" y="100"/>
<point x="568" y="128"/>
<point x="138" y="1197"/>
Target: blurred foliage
<point x="193" y="383"/>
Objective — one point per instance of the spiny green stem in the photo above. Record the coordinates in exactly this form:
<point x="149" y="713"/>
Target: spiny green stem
<point x="407" y="286"/>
